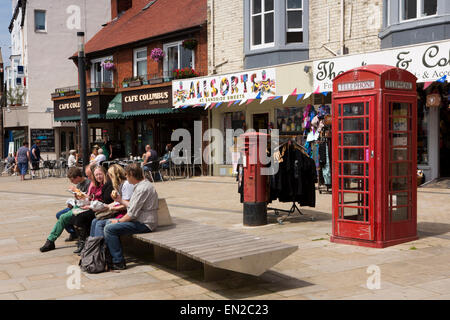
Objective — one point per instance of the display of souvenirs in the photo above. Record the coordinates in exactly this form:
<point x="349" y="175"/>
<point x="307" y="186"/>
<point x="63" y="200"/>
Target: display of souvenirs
<point x="289" y="120"/>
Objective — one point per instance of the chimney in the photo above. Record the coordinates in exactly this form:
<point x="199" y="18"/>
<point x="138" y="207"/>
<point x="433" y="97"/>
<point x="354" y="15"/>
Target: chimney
<point x="119" y="6"/>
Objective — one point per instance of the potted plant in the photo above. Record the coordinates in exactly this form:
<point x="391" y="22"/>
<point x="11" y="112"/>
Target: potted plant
<point x="190" y="44"/>
<point x="108" y="65"/>
<point x="125" y="83"/>
<point x="136" y="81"/>
<point x="157" y="55"/>
<point x="185" y="73"/>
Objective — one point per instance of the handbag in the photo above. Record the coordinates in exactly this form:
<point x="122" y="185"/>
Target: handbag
<point x="103" y="215"/>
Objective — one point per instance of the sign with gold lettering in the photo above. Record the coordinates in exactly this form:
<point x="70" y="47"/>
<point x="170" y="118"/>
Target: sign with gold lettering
<point x="71" y="107"/>
<point x="150" y="98"/>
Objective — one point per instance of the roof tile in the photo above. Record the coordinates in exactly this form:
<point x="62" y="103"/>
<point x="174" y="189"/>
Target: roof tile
<point x="136" y="24"/>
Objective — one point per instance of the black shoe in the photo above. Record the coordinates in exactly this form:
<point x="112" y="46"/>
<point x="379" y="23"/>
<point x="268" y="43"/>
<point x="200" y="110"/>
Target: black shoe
<point x="72" y="237"/>
<point x="119" y="266"/>
<point x="49" y="245"/>
<point x="80" y="247"/>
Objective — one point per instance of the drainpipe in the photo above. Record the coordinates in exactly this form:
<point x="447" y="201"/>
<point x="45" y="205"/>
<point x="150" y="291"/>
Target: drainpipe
<point x="213" y="55"/>
<point x="342" y="26"/>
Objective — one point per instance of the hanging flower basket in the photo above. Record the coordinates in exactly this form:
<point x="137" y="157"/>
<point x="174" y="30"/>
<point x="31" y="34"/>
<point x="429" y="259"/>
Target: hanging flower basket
<point x="157" y="54"/>
<point x="108" y="65"/>
<point x="190" y="44"/>
<point x="185" y="73"/>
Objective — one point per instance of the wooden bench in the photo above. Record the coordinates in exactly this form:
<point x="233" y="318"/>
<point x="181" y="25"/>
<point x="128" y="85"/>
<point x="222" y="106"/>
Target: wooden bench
<point x="194" y="245"/>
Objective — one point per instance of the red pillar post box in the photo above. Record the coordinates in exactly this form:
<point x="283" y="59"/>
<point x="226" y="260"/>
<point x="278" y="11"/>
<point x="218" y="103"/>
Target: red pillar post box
<point x="374" y="155"/>
<point x="255" y="184"/>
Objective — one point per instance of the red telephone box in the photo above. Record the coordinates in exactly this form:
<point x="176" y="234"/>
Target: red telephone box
<point x="375" y="158"/>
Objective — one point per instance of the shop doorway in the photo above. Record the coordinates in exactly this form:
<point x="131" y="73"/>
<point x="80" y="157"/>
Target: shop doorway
<point x="444" y="141"/>
<point x="261" y="121"/>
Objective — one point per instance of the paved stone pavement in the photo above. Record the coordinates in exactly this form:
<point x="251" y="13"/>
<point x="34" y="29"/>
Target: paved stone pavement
<point x="318" y="270"/>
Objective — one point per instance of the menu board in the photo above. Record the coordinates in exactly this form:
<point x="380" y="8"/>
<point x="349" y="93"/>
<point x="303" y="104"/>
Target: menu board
<point x="47" y="138"/>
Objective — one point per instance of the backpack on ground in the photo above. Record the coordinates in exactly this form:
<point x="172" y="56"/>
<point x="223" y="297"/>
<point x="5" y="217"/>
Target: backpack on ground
<point x="95" y="257"/>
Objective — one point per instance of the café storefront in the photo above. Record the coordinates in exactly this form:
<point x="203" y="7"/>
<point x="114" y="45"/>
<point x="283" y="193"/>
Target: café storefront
<point x="146" y="116"/>
<point x="66" y="110"/>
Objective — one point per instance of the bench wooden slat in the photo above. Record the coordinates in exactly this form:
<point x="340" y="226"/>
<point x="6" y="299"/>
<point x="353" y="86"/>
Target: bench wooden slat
<point x="218" y="247"/>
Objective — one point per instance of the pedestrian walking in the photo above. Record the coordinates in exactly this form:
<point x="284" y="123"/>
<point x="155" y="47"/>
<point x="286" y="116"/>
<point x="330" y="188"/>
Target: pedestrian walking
<point x="22" y="159"/>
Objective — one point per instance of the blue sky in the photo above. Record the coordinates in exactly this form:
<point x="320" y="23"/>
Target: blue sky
<point x="5" y="18"/>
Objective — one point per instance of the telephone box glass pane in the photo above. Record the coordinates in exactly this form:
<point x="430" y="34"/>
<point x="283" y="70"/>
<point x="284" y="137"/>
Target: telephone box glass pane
<point x="400" y="154"/>
<point x="400" y="184"/>
<point x="356" y="214"/>
<point x="353" y="184"/>
<point x="399" y="109"/>
<point x="400" y="139"/>
<point x="353" y="124"/>
<point x="399" y="124"/>
<point x="354" y="199"/>
<point x="353" y="109"/>
<point x="354" y="154"/>
<point x="354" y="139"/>
<point x="399" y="169"/>
<point x="353" y="169"/>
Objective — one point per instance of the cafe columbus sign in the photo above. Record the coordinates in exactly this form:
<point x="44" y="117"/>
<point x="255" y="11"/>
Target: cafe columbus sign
<point x="224" y="88"/>
<point x="151" y="98"/>
<point x="427" y="62"/>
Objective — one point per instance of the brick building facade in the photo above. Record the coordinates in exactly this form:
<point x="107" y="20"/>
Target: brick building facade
<point x="132" y="101"/>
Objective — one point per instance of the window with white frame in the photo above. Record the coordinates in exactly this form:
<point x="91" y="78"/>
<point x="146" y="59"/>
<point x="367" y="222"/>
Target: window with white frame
<point x="100" y="76"/>
<point x="177" y="57"/>
<point x="416" y="9"/>
<point x="294" y="21"/>
<point x="140" y="62"/>
<point x="39" y="21"/>
<point x="262" y="23"/>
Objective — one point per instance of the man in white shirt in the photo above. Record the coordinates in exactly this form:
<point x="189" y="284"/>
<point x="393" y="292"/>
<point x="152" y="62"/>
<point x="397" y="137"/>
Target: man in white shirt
<point x="100" y="158"/>
<point x="72" y="160"/>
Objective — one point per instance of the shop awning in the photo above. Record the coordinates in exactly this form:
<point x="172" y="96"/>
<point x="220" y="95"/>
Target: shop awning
<point x="150" y="111"/>
<point x="77" y="118"/>
<point x="115" y="108"/>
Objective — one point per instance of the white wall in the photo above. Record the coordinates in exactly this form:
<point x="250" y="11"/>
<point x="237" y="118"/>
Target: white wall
<point x="46" y="54"/>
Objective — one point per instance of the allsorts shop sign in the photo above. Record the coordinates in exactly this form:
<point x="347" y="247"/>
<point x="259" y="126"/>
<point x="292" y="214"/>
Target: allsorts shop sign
<point x="152" y="98"/>
<point x="225" y="88"/>
<point x="427" y="62"/>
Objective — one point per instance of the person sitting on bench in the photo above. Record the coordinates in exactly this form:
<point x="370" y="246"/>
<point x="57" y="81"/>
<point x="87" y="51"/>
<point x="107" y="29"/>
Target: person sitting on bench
<point x="141" y="216"/>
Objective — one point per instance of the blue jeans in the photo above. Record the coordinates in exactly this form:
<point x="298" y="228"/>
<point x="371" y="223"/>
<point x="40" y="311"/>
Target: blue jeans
<point x="114" y="231"/>
<point x="97" y="227"/>
<point x="69" y="228"/>
<point x="23" y="168"/>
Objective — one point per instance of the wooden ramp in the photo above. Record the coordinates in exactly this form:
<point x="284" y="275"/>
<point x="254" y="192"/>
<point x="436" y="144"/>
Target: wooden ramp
<point x="216" y="248"/>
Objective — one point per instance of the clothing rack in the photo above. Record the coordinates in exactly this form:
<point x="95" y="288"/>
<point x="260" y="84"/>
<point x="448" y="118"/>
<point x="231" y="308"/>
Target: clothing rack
<point x="321" y="186"/>
<point x="290" y="140"/>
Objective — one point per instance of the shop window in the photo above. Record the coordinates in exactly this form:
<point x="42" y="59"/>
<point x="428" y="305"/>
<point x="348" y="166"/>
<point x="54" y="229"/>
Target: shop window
<point x="294" y="21"/>
<point x="262" y="23"/>
<point x="415" y="9"/>
<point x="100" y="76"/>
<point x="422" y="135"/>
<point x="95" y="135"/>
<point x="63" y="142"/>
<point x="140" y="62"/>
<point x="177" y="57"/>
<point x="71" y="141"/>
<point x="289" y="120"/>
<point x="39" y="21"/>
<point x="235" y="121"/>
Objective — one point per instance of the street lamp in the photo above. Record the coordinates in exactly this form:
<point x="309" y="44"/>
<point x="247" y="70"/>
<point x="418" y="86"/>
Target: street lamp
<point x="83" y="106"/>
